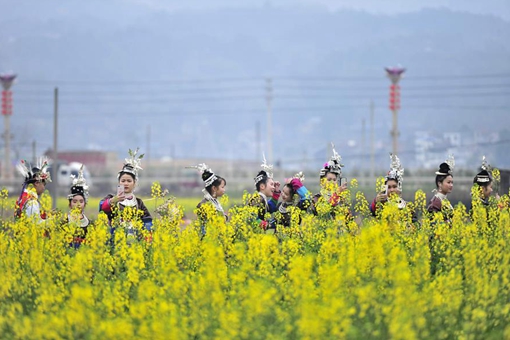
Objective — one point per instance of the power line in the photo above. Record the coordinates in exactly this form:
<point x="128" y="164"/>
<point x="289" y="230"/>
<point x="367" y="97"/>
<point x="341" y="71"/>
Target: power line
<point x="403" y="152"/>
<point x="405" y="87"/>
<point x="78" y="114"/>
<point x="214" y="90"/>
<point x="53" y="82"/>
<point x="304" y="96"/>
<point x="409" y="77"/>
<point x="87" y="92"/>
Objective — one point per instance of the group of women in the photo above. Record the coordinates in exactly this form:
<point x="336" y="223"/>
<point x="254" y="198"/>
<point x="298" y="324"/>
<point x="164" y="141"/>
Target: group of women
<point x="272" y="202"/>
<point x="123" y="208"/>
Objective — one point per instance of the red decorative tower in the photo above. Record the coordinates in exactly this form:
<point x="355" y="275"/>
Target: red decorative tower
<point x="7" y="80"/>
<point x="395" y="74"/>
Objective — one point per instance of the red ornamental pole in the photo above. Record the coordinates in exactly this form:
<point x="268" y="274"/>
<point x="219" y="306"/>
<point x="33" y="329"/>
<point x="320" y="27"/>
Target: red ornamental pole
<point x="7" y="81"/>
<point x="395" y="74"/>
<point x="6" y="103"/>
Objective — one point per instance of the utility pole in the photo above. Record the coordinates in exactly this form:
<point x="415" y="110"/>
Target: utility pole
<point x="363" y="144"/>
<point x="269" y="99"/>
<point x="258" y="141"/>
<point x="148" y="144"/>
<point x="372" y="155"/>
<point x="34" y="152"/>
<point x="395" y="74"/>
<point x="55" y="148"/>
<point x="7" y="80"/>
<point x="328" y="145"/>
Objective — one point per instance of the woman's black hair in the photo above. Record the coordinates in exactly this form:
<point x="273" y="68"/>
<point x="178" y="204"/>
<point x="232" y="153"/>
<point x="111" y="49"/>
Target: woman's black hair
<point x="444" y="171"/>
<point x="440" y="179"/>
<point x="292" y="192"/>
<point x="483" y="178"/>
<point x="217" y="182"/>
<point x="264" y="177"/>
<point x="76" y="190"/>
<point x="326" y="172"/>
<point x="128" y="173"/>
<point x="32" y="179"/>
<point x="390" y="179"/>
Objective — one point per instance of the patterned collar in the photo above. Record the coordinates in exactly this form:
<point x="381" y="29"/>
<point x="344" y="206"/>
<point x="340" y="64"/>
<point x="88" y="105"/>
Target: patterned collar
<point x="265" y="199"/>
<point x="213" y="200"/>
<point x="131" y="202"/>
<point x="441" y="196"/>
<point x="84" y="221"/>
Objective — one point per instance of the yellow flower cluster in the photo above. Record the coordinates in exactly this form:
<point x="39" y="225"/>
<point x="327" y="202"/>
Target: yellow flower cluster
<point x="325" y="276"/>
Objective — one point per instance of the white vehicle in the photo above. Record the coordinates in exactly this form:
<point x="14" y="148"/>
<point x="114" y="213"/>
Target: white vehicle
<point x="66" y="170"/>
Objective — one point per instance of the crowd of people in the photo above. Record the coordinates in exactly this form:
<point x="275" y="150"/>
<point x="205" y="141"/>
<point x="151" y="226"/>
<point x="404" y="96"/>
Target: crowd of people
<point x="272" y="202"/>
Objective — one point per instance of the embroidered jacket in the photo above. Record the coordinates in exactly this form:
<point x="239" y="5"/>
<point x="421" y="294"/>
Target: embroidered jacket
<point x="28" y="204"/>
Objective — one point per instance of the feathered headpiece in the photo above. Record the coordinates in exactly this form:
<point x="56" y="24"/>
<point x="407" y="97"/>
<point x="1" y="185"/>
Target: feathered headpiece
<point x="32" y="174"/>
<point x="267" y="171"/>
<point x="333" y="165"/>
<point x="132" y="164"/>
<point x="447" y="167"/>
<point x="300" y="175"/>
<point x="396" y="171"/>
<point x="485" y="175"/>
<point x="202" y="168"/>
<point x="79" y="186"/>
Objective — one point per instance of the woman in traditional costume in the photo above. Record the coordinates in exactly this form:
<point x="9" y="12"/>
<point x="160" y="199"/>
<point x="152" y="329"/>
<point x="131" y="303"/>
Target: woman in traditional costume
<point x="266" y="197"/>
<point x="77" y="201"/>
<point x="444" y="186"/>
<point x="294" y="194"/>
<point x="214" y="188"/>
<point x="331" y="185"/>
<point x="484" y="180"/>
<point x="125" y="204"/>
<point x="392" y="187"/>
<point x="34" y="185"/>
<point x="330" y="175"/>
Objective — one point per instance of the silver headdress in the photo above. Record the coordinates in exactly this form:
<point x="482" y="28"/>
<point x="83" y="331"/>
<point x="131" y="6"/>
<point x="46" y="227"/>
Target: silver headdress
<point x="300" y="175"/>
<point x="132" y="164"/>
<point x="396" y="171"/>
<point x="38" y="173"/>
<point x="203" y="168"/>
<point x="485" y="166"/>
<point x="267" y="168"/>
<point x="334" y="164"/>
<point x="447" y="167"/>
<point x="79" y="186"/>
<point x="485" y="175"/>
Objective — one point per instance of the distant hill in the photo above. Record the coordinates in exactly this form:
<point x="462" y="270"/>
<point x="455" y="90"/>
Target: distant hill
<point x="121" y="69"/>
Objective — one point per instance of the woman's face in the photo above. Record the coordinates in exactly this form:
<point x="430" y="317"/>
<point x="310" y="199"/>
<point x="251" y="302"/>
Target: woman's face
<point x="40" y="186"/>
<point x="77" y="202"/>
<point x="268" y="188"/>
<point x="286" y="195"/>
<point x="331" y="177"/>
<point x="127" y="182"/>
<point x="392" y="187"/>
<point x="219" y="190"/>
<point x="487" y="190"/>
<point x="446" y="186"/>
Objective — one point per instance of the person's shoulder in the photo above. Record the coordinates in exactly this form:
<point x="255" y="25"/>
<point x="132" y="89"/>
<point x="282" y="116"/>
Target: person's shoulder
<point x="435" y="204"/>
<point x="255" y="199"/>
<point x="202" y="202"/>
<point x="139" y="202"/>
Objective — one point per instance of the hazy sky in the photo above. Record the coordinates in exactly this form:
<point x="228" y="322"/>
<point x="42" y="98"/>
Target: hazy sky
<point x="499" y="8"/>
